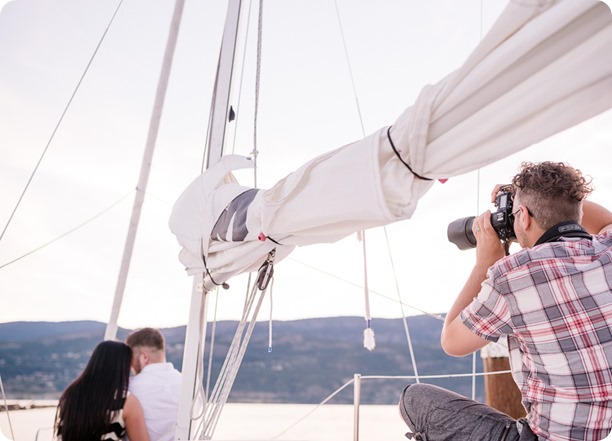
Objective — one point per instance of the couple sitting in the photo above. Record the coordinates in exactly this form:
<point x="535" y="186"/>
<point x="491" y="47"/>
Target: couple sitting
<point x="104" y="403"/>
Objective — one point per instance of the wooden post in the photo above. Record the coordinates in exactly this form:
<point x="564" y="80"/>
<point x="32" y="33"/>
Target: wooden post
<point x="501" y="392"/>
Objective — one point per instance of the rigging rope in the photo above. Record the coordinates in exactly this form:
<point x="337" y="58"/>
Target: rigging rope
<point x="215" y="400"/>
<point x="229" y="370"/>
<point x="200" y="394"/>
<point x="239" y="94"/>
<point x="25" y="189"/>
<point x="8" y="415"/>
<point x="348" y="62"/>
<point x="240" y="341"/>
<point x="429" y="314"/>
<point x="270" y="321"/>
<point x="257" y="83"/>
<point x="212" y="343"/>
<point x="477" y="211"/>
<point x="368" y="334"/>
<point x="329" y="397"/>
<point x="404" y="319"/>
<point x="383" y="377"/>
<point x="68" y="232"/>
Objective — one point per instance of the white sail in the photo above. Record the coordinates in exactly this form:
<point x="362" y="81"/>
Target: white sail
<point x="543" y="67"/>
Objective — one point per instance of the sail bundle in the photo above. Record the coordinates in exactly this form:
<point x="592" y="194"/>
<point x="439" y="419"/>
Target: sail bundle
<point x="543" y="67"/>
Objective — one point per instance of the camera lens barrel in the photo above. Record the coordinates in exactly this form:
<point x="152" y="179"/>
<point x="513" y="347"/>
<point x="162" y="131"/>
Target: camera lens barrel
<point x="460" y="233"/>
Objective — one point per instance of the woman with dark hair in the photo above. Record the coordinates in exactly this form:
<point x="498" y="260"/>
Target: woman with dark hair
<point x="96" y="406"/>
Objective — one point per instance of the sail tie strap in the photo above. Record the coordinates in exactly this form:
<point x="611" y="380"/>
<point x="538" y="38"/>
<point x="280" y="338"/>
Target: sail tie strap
<point x="262" y="238"/>
<point x="401" y="159"/>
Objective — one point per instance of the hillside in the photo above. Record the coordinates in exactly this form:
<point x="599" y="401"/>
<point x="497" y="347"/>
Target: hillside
<point x="310" y="358"/>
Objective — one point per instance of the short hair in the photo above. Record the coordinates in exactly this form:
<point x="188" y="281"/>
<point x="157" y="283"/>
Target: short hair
<point x="149" y="337"/>
<point x="553" y="191"/>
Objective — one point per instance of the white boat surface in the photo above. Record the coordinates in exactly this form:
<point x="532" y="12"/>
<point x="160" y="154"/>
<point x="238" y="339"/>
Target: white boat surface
<point x="257" y="422"/>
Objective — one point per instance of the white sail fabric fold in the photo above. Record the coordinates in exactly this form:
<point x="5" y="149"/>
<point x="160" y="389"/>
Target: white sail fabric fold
<point x="544" y="67"/>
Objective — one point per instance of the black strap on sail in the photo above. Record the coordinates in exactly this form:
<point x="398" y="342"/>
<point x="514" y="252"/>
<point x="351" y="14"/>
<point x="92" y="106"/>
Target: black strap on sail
<point x="401" y="159"/>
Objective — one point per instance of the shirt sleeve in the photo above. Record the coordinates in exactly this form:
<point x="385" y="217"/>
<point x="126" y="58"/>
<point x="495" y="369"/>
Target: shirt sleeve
<point x="488" y="315"/>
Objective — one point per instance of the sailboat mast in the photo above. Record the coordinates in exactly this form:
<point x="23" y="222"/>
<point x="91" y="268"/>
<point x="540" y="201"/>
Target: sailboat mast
<point x="145" y="169"/>
<point x="195" y="333"/>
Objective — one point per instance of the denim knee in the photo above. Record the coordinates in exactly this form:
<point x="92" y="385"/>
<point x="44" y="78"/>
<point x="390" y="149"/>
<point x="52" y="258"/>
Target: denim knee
<point x="411" y="402"/>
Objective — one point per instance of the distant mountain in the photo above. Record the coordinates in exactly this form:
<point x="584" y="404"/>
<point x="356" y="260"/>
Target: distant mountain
<point x="309" y="360"/>
<point x="27" y="331"/>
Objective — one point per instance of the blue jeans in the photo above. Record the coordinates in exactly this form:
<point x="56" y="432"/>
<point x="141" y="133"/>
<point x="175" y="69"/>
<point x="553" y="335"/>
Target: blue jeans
<point x="436" y="414"/>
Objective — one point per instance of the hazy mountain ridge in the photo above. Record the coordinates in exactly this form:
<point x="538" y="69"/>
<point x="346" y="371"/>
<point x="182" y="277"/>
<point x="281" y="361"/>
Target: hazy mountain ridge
<point x="309" y="360"/>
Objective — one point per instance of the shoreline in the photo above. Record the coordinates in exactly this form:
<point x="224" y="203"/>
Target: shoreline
<point x="26" y="404"/>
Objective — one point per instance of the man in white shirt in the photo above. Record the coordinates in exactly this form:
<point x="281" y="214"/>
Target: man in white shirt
<point x="157" y="384"/>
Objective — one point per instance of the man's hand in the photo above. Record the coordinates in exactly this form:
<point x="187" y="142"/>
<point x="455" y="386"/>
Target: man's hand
<point x="456" y="338"/>
<point x="497" y="189"/>
<point x="489" y="248"/>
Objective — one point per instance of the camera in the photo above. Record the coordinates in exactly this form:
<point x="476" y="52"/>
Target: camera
<point x="460" y="231"/>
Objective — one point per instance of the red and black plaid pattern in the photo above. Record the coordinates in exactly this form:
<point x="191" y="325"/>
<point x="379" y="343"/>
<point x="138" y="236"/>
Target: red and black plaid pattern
<point x="554" y="302"/>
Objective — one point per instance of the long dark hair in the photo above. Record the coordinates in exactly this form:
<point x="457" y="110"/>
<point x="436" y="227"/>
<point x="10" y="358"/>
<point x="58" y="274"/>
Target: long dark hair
<point x="84" y="410"/>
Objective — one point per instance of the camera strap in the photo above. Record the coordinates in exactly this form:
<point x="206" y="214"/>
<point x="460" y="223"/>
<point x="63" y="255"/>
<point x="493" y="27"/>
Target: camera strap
<point x="561" y="230"/>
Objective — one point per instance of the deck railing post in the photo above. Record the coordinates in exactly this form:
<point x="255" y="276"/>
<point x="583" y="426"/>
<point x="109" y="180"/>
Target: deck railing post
<point x="356" y="403"/>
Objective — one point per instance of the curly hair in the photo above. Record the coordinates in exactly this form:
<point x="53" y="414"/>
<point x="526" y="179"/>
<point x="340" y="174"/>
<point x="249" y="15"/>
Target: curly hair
<point x="553" y="191"/>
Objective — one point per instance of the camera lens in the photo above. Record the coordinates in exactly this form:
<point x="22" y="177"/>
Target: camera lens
<point x="460" y="233"/>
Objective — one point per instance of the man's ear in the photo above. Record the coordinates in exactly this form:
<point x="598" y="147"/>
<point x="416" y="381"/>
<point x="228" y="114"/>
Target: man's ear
<point x="525" y="218"/>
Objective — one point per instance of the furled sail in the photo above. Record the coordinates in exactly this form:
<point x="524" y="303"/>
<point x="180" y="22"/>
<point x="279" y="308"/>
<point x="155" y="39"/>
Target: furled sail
<point x="543" y="67"/>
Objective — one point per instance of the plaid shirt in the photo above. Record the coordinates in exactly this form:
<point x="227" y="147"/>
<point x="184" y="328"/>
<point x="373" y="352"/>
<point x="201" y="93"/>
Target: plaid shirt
<point x="554" y="302"/>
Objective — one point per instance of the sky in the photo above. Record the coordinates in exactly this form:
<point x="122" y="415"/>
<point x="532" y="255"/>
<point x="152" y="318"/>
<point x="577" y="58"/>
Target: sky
<point x="307" y="107"/>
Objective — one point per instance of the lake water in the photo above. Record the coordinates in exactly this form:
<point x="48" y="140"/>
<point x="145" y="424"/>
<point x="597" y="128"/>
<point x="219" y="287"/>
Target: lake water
<point x="256" y="422"/>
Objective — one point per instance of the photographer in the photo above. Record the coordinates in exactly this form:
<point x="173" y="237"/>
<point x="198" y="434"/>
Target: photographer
<point x="552" y="300"/>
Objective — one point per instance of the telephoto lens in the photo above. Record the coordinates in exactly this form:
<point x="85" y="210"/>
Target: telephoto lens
<point x="460" y="233"/>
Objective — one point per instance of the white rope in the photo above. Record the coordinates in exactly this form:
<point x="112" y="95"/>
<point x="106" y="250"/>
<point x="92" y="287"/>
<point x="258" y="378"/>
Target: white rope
<point x="477" y="211"/>
<point x="348" y="63"/>
<point x="329" y="397"/>
<point x="271" y="311"/>
<point x="200" y="394"/>
<point x="257" y="83"/>
<point x="211" y="345"/>
<point x="215" y="400"/>
<point x="235" y="360"/>
<point x="382" y="377"/>
<point x="230" y="366"/>
<point x="240" y="83"/>
<point x="404" y="320"/>
<point x="238" y="360"/>
<point x="429" y="314"/>
<point x="8" y="415"/>
<point x="91" y="219"/>
<point x="59" y="122"/>
<point x="369" y="341"/>
<point x="433" y="377"/>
